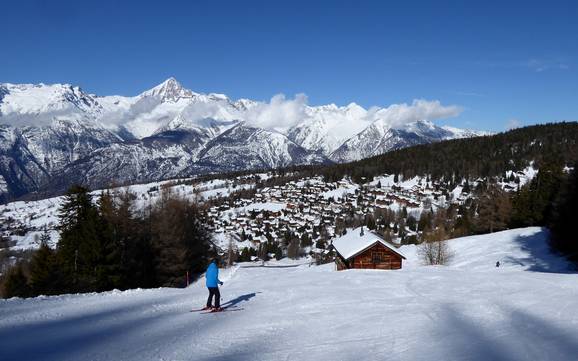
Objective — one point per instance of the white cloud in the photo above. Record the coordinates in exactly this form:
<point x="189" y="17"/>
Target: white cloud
<point x="279" y="114"/>
<point x="398" y="115"/>
<point x="513" y="124"/>
<point x="540" y="65"/>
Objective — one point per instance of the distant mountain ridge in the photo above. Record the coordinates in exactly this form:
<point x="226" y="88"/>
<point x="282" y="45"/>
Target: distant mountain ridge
<point x="54" y="135"/>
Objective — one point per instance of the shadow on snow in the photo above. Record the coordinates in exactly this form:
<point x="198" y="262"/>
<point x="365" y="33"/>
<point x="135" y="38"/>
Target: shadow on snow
<point x="541" y="257"/>
<point x="236" y="301"/>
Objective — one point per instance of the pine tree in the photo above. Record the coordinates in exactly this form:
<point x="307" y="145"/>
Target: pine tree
<point x="424" y="223"/>
<point x="180" y="240"/>
<point x="79" y="250"/>
<point x="532" y="205"/>
<point x="370" y="222"/>
<point x="134" y="234"/>
<point x="44" y="275"/>
<point x="16" y="283"/>
<point x="563" y="224"/>
<point x="306" y="241"/>
<point x="246" y="254"/>
<point x="412" y="223"/>
<point x="109" y="270"/>
<point x="494" y="209"/>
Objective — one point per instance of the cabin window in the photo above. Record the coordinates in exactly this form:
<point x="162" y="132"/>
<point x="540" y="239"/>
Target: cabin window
<point x="376" y="257"/>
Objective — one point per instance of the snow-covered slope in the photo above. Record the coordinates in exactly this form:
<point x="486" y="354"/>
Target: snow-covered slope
<point x="247" y="147"/>
<point x="522" y="249"/>
<point x="326" y="127"/>
<point x="182" y="153"/>
<point x="168" y="106"/>
<point x="30" y="155"/>
<point x="287" y="311"/>
<point x="39" y="104"/>
<point x="381" y="137"/>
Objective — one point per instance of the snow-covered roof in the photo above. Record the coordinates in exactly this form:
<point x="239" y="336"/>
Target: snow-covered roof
<point x="353" y="243"/>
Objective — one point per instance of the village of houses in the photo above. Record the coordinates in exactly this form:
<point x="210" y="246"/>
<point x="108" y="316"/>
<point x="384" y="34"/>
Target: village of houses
<point x="311" y="211"/>
<point x="318" y="211"/>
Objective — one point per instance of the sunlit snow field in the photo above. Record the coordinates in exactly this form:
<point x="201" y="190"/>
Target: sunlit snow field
<point x="527" y="309"/>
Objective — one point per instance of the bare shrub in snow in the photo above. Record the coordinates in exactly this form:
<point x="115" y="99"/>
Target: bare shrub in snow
<point x="294" y="249"/>
<point x="434" y="250"/>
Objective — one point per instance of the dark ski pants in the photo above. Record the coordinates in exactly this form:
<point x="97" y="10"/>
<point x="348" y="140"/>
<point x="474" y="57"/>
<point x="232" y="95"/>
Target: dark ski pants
<point x="214" y="291"/>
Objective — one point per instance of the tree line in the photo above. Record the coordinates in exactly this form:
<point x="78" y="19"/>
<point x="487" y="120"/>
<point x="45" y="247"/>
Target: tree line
<point x="114" y="244"/>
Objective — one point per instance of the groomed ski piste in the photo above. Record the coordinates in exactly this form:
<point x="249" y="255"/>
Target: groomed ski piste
<point x="527" y="309"/>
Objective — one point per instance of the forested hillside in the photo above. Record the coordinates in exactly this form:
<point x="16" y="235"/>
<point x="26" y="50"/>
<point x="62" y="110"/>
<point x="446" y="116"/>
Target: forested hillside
<point x="487" y="156"/>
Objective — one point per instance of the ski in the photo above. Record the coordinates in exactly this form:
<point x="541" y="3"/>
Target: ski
<point x="199" y="309"/>
<point x="208" y="310"/>
<point x="224" y="310"/>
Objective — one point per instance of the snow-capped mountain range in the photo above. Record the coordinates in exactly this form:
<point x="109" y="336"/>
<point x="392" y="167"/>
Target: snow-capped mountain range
<point x="54" y="135"/>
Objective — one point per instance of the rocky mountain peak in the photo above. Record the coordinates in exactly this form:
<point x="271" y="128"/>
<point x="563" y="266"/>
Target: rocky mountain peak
<point x="169" y="91"/>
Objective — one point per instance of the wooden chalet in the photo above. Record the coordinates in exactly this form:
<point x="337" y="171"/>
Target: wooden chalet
<point x="365" y="250"/>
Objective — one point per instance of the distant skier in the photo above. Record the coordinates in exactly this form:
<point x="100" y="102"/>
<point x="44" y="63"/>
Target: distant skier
<point x="498" y="264"/>
<point x="213" y="282"/>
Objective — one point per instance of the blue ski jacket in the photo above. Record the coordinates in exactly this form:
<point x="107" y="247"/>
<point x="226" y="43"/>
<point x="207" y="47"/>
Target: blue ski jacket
<point x="212" y="275"/>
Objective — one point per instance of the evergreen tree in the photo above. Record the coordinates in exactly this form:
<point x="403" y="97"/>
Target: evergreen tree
<point x="424" y="223"/>
<point x="401" y="230"/>
<point x="412" y="223"/>
<point x="79" y="250"/>
<point x="180" y="240"/>
<point x="306" y="241"/>
<point x="132" y="237"/>
<point x="109" y="272"/>
<point x="246" y="254"/>
<point x="370" y="222"/>
<point x="463" y="224"/>
<point x="320" y="244"/>
<point x="16" y="283"/>
<point x="44" y="274"/>
<point x="563" y="224"/>
<point x="494" y="209"/>
<point x="532" y="205"/>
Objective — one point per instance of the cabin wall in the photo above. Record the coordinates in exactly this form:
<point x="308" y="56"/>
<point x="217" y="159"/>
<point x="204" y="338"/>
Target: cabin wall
<point x="376" y="257"/>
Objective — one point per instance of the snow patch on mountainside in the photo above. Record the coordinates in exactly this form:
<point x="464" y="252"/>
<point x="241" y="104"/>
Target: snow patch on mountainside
<point x="380" y="137"/>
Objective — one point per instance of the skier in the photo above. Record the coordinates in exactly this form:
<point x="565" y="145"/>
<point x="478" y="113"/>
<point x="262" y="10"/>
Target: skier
<point x="213" y="282"/>
<point x="498" y="264"/>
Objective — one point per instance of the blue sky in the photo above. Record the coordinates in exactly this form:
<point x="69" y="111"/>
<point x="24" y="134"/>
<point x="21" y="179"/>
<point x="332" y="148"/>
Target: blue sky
<point x="501" y="61"/>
